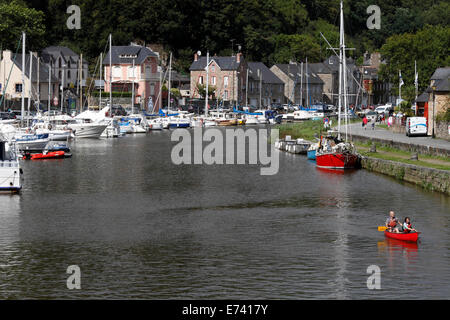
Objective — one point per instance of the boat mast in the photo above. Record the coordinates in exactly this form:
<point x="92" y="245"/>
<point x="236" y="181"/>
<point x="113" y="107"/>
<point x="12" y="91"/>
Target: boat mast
<point x="49" y="88"/>
<point x="246" y="91"/>
<point x="132" y="91"/>
<point x="301" y="84"/>
<point x="23" y="79"/>
<point x="110" y="75"/>
<point x="344" y="72"/>
<point x="260" y="89"/>
<point x="81" y="83"/>
<point x="100" y="82"/>
<point x="30" y="89"/>
<point x="307" y="84"/>
<point x="207" y="83"/>
<point x="170" y="80"/>
<point x="340" y="75"/>
<point x="38" y="82"/>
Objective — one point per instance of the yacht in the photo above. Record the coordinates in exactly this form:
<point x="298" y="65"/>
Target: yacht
<point x="10" y="171"/>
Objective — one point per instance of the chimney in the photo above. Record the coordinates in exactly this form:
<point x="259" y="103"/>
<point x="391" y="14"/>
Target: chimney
<point x="238" y="57"/>
<point x="6" y="55"/>
<point x="196" y="57"/>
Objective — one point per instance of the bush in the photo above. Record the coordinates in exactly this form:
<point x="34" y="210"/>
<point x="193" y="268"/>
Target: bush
<point x="115" y="94"/>
<point x="443" y="116"/>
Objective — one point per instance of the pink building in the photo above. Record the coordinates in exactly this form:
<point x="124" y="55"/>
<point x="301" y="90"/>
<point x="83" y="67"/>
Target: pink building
<point x="144" y="76"/>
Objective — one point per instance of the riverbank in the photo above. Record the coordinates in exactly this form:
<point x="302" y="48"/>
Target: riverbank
<point x="431" y="170"/>
<point x="428" y="178"/>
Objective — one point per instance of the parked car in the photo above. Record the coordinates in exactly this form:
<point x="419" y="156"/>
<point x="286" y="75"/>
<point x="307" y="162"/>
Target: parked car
<point x="383" y="109"/>
<point x="7" y="116"/>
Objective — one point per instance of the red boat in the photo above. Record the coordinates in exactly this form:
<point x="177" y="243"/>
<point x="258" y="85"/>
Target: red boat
<point x="48" y="155"/>
<point x="336" y="160"/>
<point x="410" y="236"/>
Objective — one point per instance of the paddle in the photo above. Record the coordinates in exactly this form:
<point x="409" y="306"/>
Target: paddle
<point x="381" y="229"/>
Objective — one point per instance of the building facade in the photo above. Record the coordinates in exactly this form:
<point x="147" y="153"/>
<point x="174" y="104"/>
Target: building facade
<point x="227" y="75"/>
<point x="65" y="65"/>
<point x="438" y="96"/>
<point x="264" y="87"/>
<point x="36" y="87"/>
<point x="144" y="76"/>
<point x="301" y="86"/>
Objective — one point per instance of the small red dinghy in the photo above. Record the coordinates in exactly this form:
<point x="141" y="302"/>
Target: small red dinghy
<point x="49" y="155"/>
<point x="411" y="236"/>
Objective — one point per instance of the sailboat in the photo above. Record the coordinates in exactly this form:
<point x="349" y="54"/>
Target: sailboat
<point x="333" y="152"/>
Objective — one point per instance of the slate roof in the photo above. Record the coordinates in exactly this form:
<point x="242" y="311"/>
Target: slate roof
<point x="224" y="63"/>
<point x="294" y="72"/>
<point x="441" y="77"/>
<point x="126" y="54"/>
<point x="267" y="75"/>
<point x="423" y="97"/>
<point x="43" y="68"/>
<point x="52" y="53"/>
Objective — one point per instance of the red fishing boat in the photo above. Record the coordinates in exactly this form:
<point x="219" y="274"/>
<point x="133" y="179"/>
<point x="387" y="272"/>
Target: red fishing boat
<point x="410" y="236"/>
<point x="48" y="155"/>
<point x="336" y="160"/>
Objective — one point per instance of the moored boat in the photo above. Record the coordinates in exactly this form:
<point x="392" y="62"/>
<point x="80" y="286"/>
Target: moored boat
<point x="410" y="236"/>
<point x="47" y="155"/>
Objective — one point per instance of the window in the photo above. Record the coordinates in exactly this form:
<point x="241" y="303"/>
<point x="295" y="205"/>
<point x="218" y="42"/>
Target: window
<point x="225" y="95"/>
<point x="131" y="72"/>
<point x="213" y="81"/>
<point x="213" y="68"/>
<point x="148" y="72"/>
<point x="200" y="80"/>
<point x="68" y="74"/>
<point x="59" y="63"/>
<point x="152" y="89"/>
<point x="60" y="74"/>
<point x="18" y="88"/>
<point x="116" y="72"/>
<point x="225" y="82"/>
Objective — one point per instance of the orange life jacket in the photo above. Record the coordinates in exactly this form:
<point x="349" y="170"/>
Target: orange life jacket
<point x="393" y="223"/>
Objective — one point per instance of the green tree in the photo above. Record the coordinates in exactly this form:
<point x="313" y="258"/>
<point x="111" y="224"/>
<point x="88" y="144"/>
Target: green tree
<point x="201" y="88"/>
<point x="15" y="18"/>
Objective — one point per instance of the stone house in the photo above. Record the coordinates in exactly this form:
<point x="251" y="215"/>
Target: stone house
<point x="438" y="96"/>
<point x="264" y="87"/>
<point x="226" y="74"/>
<point x="301" y="86"/>
<point x="38" y="83"/>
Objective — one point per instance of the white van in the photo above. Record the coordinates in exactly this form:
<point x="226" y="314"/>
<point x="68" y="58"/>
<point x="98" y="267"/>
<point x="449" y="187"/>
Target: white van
<point x="416" y="126"/>
<point x="383" y="109"/>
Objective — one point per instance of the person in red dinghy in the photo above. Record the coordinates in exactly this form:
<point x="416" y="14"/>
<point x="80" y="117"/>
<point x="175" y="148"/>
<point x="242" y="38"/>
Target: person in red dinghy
<point x="392" y="223"/>
<point x="407" y="227"/>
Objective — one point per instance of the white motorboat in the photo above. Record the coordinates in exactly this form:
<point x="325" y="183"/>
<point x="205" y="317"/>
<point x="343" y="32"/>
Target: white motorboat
<point x="10" y="171"/>
<point x="302" y="115"/>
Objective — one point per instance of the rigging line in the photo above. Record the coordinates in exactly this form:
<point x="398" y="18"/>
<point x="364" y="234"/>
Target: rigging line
<point x="10" y="71"/>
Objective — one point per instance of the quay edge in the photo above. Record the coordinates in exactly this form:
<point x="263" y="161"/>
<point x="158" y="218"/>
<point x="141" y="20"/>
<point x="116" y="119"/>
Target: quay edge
<point x="428" y="178"/>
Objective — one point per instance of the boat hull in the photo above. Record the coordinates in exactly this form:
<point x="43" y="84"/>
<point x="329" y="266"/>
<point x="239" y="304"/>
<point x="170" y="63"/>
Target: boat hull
<point x="10" y="180"/>
<point x="336" y="160"/>
<point x="88" y="130"/>
<point x="411" y="236"/>
<point x="49" y="155"/>
<point x="311" y="154"/>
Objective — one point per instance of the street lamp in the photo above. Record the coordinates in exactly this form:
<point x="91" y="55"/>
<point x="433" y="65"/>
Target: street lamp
<point x="434" y="99"/>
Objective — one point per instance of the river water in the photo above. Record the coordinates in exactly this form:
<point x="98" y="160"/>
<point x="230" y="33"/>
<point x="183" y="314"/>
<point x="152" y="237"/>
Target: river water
<point x="140" y="227"/>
